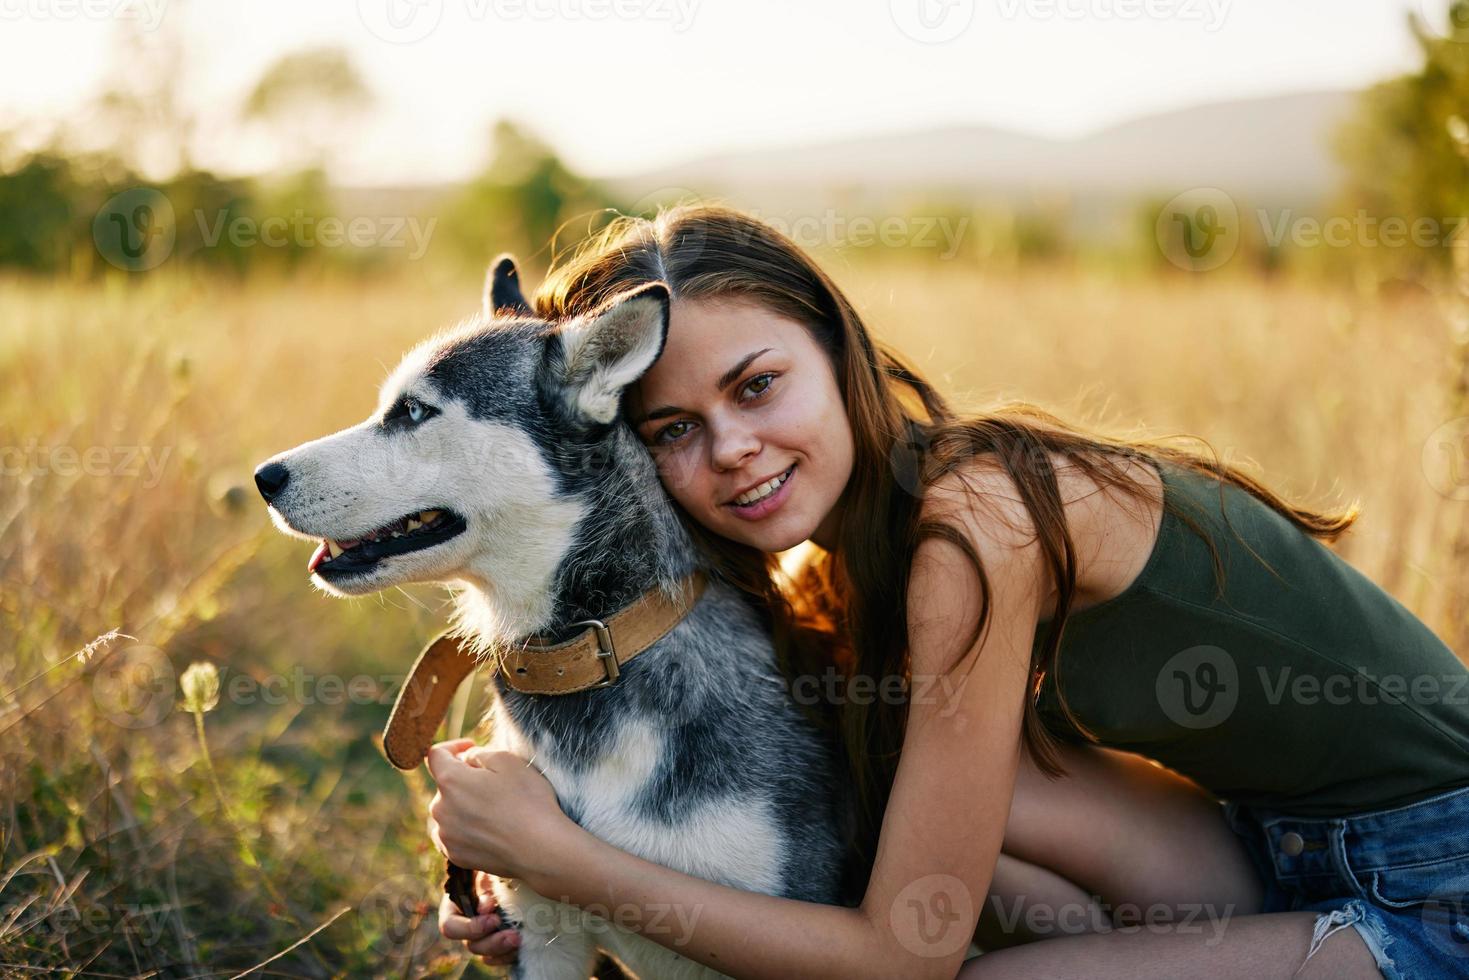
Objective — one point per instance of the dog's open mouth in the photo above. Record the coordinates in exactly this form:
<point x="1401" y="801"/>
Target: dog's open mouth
<point x="413" y="532"/>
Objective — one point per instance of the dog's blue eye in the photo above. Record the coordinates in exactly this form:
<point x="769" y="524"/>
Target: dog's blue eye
<point x="411" y="409"/>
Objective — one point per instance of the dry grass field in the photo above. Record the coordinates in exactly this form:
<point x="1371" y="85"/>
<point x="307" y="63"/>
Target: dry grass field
<point x="137" y="835"/>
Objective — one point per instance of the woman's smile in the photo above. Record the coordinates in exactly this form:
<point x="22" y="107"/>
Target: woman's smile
<point x="764" y="501"/>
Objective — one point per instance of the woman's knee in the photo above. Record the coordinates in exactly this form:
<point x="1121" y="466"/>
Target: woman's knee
<point x="1027" y="902"/>
<point x="1129" y="830"/>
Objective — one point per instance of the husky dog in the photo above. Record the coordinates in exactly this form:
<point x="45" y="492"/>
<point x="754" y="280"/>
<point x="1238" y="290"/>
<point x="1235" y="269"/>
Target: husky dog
<point x="498" y="461"/>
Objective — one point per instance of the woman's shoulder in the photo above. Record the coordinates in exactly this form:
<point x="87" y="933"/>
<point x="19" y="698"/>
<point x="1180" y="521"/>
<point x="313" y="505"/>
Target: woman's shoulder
<point x="1112" y="532"/>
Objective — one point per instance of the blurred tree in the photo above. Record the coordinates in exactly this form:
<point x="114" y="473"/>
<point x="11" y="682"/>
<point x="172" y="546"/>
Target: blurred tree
<point x="522" y="198"/>
<point x="36" y="202"/>
<point x="308" y="97"/>
<point x="205" y="206"/>
<point x="1408" y="154"/>
<point x="1406" y="148"/>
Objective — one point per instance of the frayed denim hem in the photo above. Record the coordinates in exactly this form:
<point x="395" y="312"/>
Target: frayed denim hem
<point x="1354" y="913"/>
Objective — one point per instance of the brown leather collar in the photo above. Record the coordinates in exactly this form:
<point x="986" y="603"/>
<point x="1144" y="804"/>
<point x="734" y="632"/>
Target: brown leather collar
<point x="595" y="657"/>
<point x="592" y="659"/>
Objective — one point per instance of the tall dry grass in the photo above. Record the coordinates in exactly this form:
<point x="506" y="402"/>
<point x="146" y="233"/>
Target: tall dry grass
<point x="118" y="854"/>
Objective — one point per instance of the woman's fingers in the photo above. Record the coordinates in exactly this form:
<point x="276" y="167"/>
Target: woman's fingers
<point x="502" y="946"/>
<point x="485" y="935"/>
<point x="455" y="925"/>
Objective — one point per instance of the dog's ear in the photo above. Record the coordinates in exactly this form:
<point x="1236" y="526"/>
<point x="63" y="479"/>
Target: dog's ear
<point x="502" y="290"/>
<point x="602" y="353"/>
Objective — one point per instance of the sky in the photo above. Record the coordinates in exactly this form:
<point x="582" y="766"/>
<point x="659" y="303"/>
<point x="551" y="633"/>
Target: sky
<point x="623" y="86"/>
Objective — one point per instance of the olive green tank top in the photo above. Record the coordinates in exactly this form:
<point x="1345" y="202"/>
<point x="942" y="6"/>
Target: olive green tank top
<point x="1310" y="690"/>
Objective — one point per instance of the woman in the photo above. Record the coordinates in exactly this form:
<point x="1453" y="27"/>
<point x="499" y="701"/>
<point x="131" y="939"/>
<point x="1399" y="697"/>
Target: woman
<point x="1206" y="631"/>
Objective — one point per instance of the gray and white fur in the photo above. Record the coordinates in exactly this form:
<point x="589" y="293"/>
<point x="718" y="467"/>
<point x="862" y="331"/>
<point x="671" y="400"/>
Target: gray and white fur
<point x="696" y="758"/>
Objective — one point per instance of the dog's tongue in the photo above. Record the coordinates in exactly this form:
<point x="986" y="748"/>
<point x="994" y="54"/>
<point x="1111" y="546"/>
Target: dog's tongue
<point x="317" y="556"/>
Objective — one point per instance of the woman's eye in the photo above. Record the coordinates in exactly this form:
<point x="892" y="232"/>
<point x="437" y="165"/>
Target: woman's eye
<point x="759" y="384"/>
<point x="670" y="433"/>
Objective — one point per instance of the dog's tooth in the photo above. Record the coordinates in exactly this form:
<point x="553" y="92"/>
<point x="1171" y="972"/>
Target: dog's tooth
<point x="333" y="548"/>
<point x="429" y="516"/>
<point x="414" y="524"/>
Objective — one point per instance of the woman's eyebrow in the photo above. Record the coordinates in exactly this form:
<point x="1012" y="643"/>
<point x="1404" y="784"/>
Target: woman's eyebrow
<point x="725" y="380"/>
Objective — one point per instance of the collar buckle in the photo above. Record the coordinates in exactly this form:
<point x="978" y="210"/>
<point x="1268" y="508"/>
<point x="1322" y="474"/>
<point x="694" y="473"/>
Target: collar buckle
<point x="606" y="651"/>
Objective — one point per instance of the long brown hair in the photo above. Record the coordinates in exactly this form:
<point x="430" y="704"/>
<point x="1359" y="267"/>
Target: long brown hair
<point x="847" y="609"/>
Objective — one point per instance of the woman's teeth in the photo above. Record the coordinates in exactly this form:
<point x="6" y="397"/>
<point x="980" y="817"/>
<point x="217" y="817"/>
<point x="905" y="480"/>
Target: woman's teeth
<point x="763" y="490"/>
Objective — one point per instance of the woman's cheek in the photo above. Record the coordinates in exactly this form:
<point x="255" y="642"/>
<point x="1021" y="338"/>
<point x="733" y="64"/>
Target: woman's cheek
<point x="679" y="474"/>
<point x="800" y="424"/>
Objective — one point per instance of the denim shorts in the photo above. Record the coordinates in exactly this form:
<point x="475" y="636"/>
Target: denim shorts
<point x="1399" y="876"/>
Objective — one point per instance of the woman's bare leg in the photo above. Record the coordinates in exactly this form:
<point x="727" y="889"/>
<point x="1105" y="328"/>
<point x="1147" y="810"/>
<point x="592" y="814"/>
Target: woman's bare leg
<point x="1260" y="947"/>
<point x="1128" y="831"/>
<point x="1177" y="892"/>
<point x="1027" y="902"/>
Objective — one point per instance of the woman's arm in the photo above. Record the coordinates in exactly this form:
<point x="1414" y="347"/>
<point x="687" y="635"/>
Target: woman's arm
<point x="737" y="932"/>
<point x="945" y="819"/>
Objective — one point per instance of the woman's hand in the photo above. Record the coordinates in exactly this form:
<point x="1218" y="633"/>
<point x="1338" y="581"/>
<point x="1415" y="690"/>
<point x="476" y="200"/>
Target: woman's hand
<point x="492" y="812"/>
<point x="485" y="935"/>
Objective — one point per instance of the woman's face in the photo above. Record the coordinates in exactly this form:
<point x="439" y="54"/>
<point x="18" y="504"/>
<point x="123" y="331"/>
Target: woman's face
<point x="742" y="396"/>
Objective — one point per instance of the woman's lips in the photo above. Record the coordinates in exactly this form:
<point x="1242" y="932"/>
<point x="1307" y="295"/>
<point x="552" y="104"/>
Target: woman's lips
<point x="768" y="504"/>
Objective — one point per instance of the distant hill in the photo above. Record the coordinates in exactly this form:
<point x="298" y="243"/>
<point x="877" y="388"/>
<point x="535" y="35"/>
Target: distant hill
<point x="1269" y="152"/>
<point x="1264" y="149"/>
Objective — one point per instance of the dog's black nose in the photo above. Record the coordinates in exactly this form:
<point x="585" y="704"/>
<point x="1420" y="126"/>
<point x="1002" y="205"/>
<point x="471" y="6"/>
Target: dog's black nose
<point x="271" y="479"/>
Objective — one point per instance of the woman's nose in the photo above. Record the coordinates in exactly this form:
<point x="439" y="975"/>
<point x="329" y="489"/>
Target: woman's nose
<point x="731" y="445"/>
